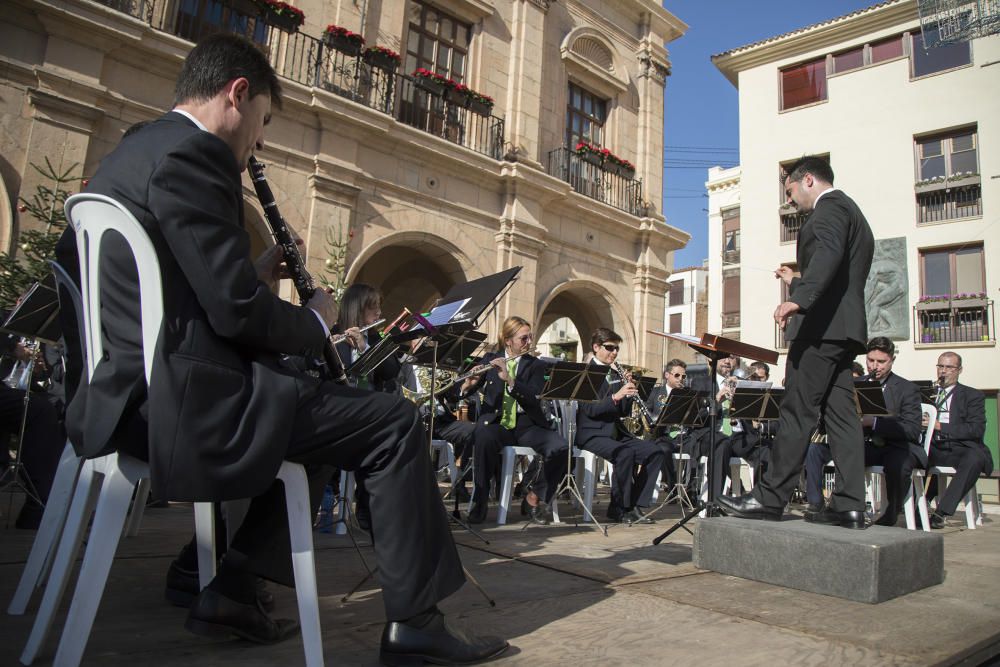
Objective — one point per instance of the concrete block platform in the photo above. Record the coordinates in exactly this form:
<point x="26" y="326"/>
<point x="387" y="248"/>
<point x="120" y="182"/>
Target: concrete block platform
<point x="872" y="565"/>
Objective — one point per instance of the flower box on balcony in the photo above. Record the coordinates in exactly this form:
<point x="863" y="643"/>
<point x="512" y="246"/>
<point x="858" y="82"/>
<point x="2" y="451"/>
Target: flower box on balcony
<point x="343" y="40"/>
<point x="932" y="305"/>
<point x="956" y="181"/>
<point x="280" y="15"/>
<point x="625" y="171"/>
<point x="969" y="303"/>
<point x="479" y="106"/>
<point x="456" y="96"/>
<point x="432" y="82"/>
<point x="381" y="57"/>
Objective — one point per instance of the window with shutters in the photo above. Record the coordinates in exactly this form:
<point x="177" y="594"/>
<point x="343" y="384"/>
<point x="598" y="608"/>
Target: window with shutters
<point x="731" y="299"/>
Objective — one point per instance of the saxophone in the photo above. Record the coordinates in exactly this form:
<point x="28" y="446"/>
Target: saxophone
<point x="331" y="367"/>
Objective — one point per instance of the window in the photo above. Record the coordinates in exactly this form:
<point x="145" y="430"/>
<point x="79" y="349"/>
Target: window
<point x="199" y="18"/>
<point x="586" y="114"/>
<point x="948" y="185"/>
<point x="952" y="271"/>
<point x="887" y="49"/>
<point x="803" y="84"/>
<point x="731" y="236"/>
<point x="676" y="325"/>
<point x="437" y="42"/>
<point x="677" y="293"/>
<point x="730" y="299"/>
<point x="950" y="154"/>
<point x="848" y="60"/>
<point x="938" y="58"/>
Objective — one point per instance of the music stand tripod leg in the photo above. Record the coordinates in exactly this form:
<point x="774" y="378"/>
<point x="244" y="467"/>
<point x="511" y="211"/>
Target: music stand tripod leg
<point x="568" y="483"/>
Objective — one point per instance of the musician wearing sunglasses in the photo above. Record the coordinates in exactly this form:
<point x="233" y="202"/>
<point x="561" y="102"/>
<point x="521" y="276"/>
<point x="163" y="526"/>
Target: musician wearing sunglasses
<point x="637" y="462"/>
<point x="511" y="413"/>
<point x="674" y="377"/>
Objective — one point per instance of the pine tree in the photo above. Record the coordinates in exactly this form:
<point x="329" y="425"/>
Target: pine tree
<point x="29" y="262"/>
<point x="335" y="268"/>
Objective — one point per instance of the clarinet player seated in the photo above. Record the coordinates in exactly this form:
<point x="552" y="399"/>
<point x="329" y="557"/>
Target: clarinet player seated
<point x="512" y="414"/>
<point x="637" y="462"/>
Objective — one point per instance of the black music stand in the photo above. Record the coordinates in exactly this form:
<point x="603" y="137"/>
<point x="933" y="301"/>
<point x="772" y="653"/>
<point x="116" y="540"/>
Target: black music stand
<point x="755" y="403"/>
<point x="928" y="390"/>
<point x="869" y="399"/>
<point x="681" y="409"/>
<point x="373" y="357"/>
<point x="569" y="381"/>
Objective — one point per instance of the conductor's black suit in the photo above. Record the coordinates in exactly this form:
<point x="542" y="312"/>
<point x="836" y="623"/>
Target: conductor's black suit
<point x="222" y="410"/>
<point x="834" y="255"/>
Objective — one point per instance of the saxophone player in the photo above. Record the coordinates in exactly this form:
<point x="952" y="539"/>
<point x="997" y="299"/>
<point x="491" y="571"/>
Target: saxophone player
<point x="637" y="462"/>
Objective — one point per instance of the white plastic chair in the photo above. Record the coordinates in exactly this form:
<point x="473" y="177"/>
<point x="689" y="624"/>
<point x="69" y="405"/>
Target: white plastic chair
<point x="507" y="457"/>
<point x="916" y="488"/>
<point x="449" y="452"/>
<point x="735" y="479"/>
<point x="973" y="512"/>
<point x="115" y="476"/>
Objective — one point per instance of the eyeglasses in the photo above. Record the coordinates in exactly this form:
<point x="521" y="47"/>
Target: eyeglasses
<point x="525" y="338"/>
<point x="946" y="367"/>
<point x="679" y="375"/>
<point x="611" y="348"/>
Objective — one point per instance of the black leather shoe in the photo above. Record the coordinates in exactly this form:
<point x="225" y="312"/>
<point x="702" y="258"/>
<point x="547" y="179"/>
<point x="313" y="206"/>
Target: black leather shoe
<point x="540" y="514"/>
<point x="937" y="521"/>
<point x="635" y="515"/>
<point x="812" y="508"/>
<point x="438" y="643"/>
<point x="853" y="519"/>
<point x="747" y="507"/>
<point x="213" y="615"/>
<point x="183" y="587"/>
<point x="478" y="512"/>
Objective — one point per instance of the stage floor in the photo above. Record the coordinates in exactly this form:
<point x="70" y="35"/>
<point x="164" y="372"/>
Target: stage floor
<point x="564" y="594"/>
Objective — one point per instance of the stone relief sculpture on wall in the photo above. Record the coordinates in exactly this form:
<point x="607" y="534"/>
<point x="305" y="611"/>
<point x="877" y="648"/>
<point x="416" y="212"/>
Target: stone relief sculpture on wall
<point x="886" y="302"/>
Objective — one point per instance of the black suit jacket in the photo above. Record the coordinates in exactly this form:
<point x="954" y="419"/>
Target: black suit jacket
<point x="834" y="255"/>
<point x="600" y="418"/>
<point x="220" y="407"/>
<point x="966" y="425"/>
<point x="529" y="380"/>
<point x="902" y="427"/>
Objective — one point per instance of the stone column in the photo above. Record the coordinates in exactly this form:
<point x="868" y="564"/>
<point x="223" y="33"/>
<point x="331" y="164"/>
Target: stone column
<point x="651" y="81"/>
<point x="525" y="77"/>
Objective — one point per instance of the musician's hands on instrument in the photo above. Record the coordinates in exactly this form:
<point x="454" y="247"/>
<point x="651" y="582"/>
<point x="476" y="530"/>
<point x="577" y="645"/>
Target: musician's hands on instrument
<point x="270" y="266"/>
<point x="501" y="365"/>
<point x="627" y="390"/>
<point x="784" y="311"/>
<point x="867" y="421"/>
<point x="356" y="339"/>
<point x="22" y="352"/>
<point x="326" y="305"/>
<point x="786" y="273"/>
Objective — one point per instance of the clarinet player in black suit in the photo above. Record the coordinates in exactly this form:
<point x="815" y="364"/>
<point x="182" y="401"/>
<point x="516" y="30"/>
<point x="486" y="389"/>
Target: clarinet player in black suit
<point x="512" y="413"/>
<point x="637" y="462"/>
<point x="222" y="411"/>
<point x="826" y="324"/>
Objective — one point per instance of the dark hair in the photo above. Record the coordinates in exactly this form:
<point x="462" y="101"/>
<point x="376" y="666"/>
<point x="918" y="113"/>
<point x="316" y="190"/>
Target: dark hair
<point x="672" y="363"/>
<point x="357" y="298"/>
<point x="604" y="335"/>
<point x="217" y="60"/>
<point x="810" y="164"/>
<point x="760" y="364"/>
<point x="857" y="369"/>
<point x="882" y="344"/>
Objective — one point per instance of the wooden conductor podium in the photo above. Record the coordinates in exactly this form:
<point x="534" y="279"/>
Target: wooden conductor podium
<point x="714" y="348"/>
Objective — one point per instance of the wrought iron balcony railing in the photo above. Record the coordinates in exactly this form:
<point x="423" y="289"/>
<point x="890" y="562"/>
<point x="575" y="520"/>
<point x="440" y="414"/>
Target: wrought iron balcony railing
<point x="791" y="223"/>
<point x="592" y="181"/>
<point x="938" y="205"/>
<point x="959" y="321"/>
<point x="309" y="61"/>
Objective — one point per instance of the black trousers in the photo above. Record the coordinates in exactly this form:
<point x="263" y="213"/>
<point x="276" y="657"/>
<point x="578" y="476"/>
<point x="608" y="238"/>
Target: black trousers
<point x="629" y="488"/>
<point x="817" y="382"/>
<point x="44" y="439"/>
<point x="381" y="439"/>
<point x="491" y="438"/>
<point x="969" y="463"/>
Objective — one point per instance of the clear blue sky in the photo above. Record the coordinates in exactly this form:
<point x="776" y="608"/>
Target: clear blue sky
<point x="701" y="121"/>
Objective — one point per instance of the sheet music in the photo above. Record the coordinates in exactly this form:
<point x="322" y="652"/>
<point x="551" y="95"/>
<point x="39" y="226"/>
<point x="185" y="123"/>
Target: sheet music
<point x="442" y="314"/>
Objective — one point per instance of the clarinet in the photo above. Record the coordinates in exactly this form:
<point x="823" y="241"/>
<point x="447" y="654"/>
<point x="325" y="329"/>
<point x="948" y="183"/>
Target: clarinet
<point x="333" y="367"/>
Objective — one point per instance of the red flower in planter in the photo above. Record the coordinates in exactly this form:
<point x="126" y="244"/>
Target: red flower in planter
<point x="381" y="50"/>
<point x="283" y="9"/>
<point x="337" y="31"/>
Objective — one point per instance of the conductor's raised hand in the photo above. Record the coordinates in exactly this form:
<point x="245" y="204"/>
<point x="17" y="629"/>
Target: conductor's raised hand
<point x="786" y="274"/>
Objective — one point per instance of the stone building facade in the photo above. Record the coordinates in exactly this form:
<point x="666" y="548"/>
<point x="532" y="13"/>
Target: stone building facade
<point x="425" y="192"/>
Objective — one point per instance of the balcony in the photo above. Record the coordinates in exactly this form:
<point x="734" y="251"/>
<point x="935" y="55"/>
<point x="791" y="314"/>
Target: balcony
<point x="731" y="320"/>
<point x="731" y="256"/>
<point x="309" y="61"/>
<point x="594" y="181"/>
<point x="958" y="321"/>
<point x="791" y="223"/>
<point x="949" y="200"/>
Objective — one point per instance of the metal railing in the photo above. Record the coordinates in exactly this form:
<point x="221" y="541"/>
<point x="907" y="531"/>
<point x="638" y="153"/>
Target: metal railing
<point x="593" y="181"/>
<point x="730" y="256"/>
<point x="939" y="205"/>
<point x="955" y="322"/>
<point x="791" y="223"/>
<point x="308" y="60"/>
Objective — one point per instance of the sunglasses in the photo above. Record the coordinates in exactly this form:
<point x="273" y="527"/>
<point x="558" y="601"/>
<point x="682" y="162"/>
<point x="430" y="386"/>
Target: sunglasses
<point x="525" y="338"/>
<point x="679" y="375"/>
<point x="611" y="348"/>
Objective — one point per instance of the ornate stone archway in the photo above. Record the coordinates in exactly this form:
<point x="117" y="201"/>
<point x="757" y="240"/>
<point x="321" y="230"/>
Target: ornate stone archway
<point x="588" y="305"/>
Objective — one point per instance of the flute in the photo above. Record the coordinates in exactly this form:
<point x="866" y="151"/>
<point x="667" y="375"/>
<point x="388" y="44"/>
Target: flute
<point x="472" y="372"/>
<point x="340" y="338"/>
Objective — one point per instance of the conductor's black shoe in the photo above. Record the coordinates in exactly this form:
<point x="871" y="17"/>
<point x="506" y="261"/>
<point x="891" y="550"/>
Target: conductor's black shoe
<point x="635" y="515"/>
<point x="747" y="507"/>
<point x="854" y="519"/>
<point x="437" y="642"/>
<point x="183" y="587"/>
<point x="478" y="512"/>
<point x="212" y="614"/>
<point x="937" y="521"/>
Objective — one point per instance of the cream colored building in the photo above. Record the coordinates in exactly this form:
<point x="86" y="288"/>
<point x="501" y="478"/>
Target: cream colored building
<point x="426" y="193"/>
<point x="913" y="137"/>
